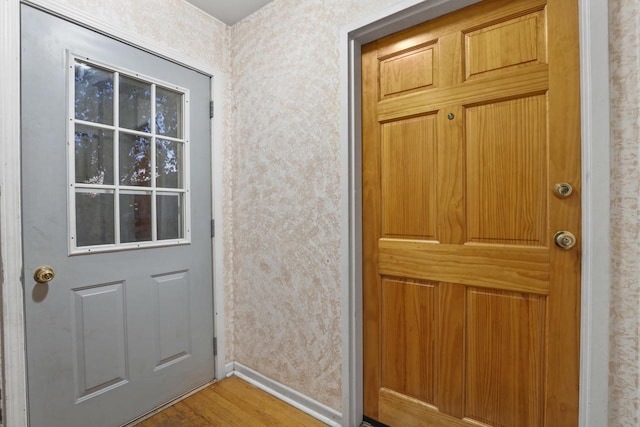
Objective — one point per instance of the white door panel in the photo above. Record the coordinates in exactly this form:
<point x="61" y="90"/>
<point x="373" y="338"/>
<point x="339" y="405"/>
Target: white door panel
<point x="114" y="334"/>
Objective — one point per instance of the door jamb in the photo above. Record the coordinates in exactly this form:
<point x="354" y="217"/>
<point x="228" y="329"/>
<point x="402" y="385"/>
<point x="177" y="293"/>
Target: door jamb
<point x="594" y="76"/>
<point x="14" y="387"/>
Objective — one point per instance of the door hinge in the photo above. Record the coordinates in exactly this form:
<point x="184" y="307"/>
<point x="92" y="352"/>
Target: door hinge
<point x="213" y="228"/>
<point x="215" y="346"/>
<point x="211" y="109"/>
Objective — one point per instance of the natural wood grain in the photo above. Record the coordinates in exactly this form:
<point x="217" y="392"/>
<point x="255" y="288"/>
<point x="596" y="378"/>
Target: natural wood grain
<point x="518" y="41"/>
<point x="449" y="190"/>
<point x="371" y="224"/>
<point x="505" y="302"/>
<point x="563" y="355"/>
<point x="464" y="21"/>
<point x="408" y="178"/>
<point x="409" y="331"/>
<point x="481" y="90"/>
<point x="505" y="360"/>
<point x="507" y="166"/>
<point x="524" y="269"/>
<point x="450" y="355"/>
<point x="398" y="410"/>
<point x="231" y="402"/>
<point x="408" y="70"/>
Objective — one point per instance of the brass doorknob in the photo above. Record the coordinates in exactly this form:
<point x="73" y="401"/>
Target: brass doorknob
<point x="564" y="239"/>
<point x="44" y="274"/>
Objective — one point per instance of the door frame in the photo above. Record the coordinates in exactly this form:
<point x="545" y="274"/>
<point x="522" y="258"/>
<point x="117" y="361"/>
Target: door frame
<point x="14" y="386"/>
<point x="594" y="75"/>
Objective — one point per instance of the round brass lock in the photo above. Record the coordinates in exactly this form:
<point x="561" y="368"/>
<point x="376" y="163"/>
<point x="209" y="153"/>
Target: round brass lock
<point x="564" y="239"/>
<point x="44" y="274"/>
<point x="563" y="190"/>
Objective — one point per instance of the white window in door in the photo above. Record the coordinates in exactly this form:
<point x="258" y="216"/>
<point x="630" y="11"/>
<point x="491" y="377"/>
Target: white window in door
<point x="128" y="160"/>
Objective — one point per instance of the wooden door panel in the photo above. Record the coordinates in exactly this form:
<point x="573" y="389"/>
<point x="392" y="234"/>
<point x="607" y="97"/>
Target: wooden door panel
<point x="409" y="178"/>
<point x="506" y="166"/>
<point x="409" y="328"/>
<point x="473" y="354"/>
<point x="504" y="360"/>
<point x="407" y="70"/>
<point x="515" y="42"/>
<point x="471" y="314"/>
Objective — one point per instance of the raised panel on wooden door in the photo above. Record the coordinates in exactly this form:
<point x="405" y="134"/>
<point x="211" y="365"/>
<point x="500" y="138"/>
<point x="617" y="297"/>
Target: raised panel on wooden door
<point x="413" y="68"/>
<point x="408" y="176"/>
<point x="409" y="330"/>
<point x="506" y="171"/>
<point x="504" y="357"/>
<point x="513" y="42"/>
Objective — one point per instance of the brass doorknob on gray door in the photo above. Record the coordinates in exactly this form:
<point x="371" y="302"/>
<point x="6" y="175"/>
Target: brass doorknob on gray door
<point x="564" y="239"/>
<point x="44" y="274"/>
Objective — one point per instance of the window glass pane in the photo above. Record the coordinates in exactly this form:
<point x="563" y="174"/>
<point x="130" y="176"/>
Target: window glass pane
<point x="168" y="164"/>
<point x="94" y="155"/>
<point x="94" y="218"/>
<point x="135" y="217"/>
<point x="119" y="197"/>
<point x="135" y="104"/>
<point x="169" y="209"/>
<point x="93" y="94"/>
<point x="135" y="160"/>
<point x="168" y="113"/>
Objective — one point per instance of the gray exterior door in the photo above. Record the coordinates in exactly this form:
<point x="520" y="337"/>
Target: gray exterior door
<point x="117" y="200"/>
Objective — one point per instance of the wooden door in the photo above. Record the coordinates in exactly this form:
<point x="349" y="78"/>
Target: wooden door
<point x="108" y="155"/>
<point x="471" y="311"/>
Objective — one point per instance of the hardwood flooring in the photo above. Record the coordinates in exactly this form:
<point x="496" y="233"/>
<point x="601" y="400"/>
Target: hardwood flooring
<point x="230" y="402"/>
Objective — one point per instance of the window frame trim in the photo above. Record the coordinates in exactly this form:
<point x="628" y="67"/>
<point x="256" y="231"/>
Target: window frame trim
<point x="153" y="190"/>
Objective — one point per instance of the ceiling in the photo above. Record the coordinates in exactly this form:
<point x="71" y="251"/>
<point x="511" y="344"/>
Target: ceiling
<point x="229" y="11"/>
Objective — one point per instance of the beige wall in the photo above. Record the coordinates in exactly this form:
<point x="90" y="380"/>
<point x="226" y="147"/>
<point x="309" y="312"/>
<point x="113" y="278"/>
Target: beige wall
<point x="286" y="191"/>
<point x="624" y="380"/>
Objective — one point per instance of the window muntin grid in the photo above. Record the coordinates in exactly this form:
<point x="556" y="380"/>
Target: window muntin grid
<point x="128" y="166"/>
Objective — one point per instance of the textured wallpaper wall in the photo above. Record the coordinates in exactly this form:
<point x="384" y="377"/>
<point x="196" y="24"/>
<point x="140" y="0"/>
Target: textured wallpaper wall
<point x="286" y="197"/>
<point x="624" y="379"/>
<point x="173" y="23"/>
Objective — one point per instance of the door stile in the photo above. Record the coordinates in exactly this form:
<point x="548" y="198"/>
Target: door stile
<point x="565" y="265"/>
<point x="371" y="230"/>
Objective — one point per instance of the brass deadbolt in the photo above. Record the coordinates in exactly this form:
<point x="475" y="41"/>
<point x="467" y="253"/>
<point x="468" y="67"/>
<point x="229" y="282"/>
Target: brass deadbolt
<point x="563" y="190"/>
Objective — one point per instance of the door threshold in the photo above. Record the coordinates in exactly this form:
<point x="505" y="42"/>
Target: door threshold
<point x="168" y="404"/>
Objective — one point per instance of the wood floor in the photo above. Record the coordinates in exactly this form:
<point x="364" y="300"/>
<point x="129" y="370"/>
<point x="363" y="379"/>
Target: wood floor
<point x="231" y="402"/>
